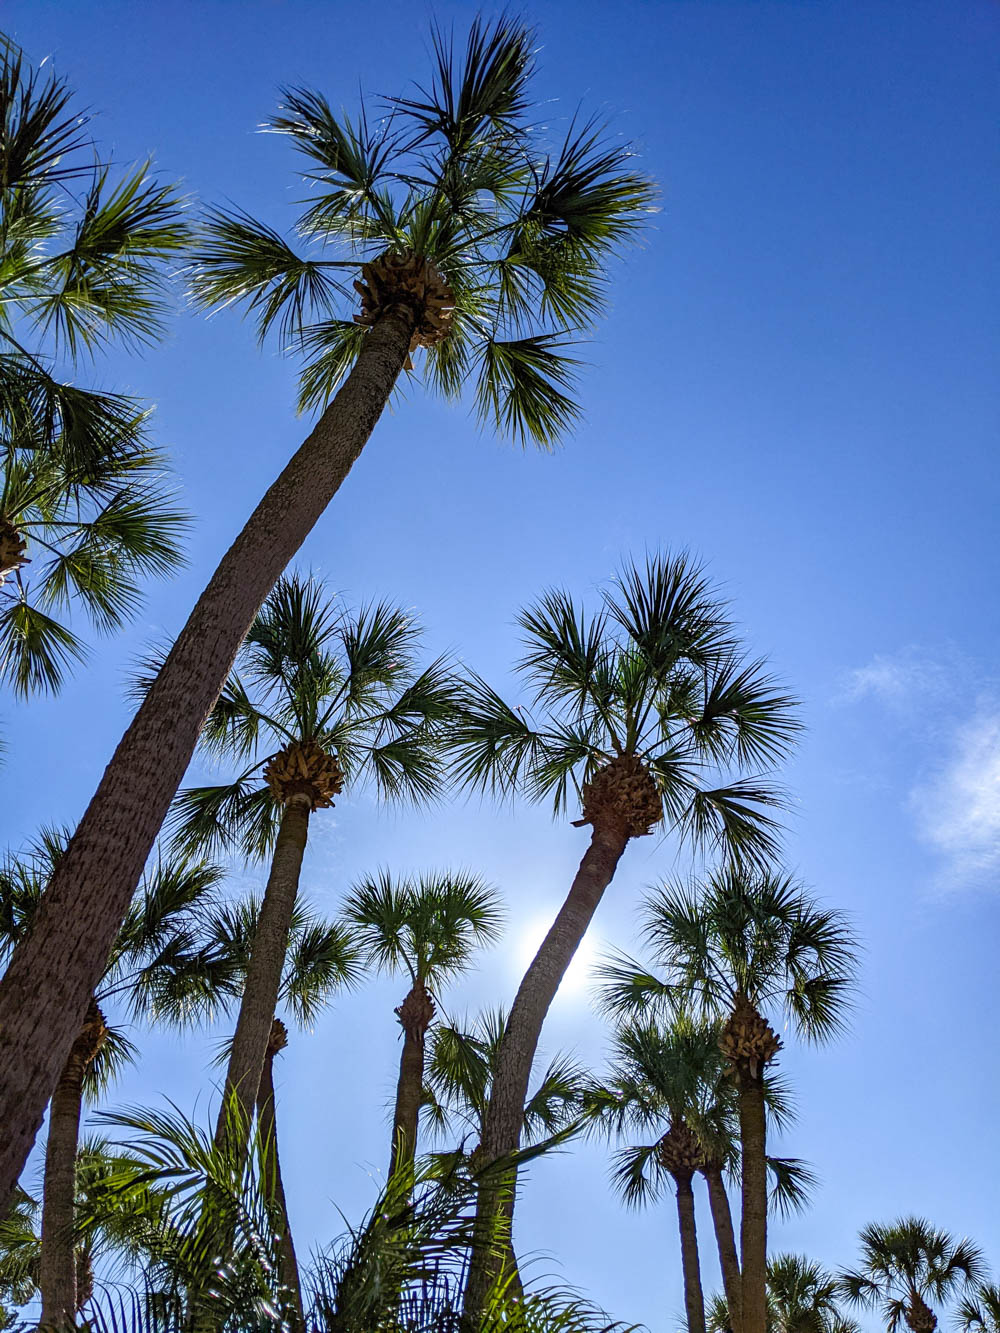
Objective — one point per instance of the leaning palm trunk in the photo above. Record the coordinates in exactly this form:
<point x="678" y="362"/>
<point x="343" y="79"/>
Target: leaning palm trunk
<point x="288" y="1267"/>
<point x="415" y="1015"/>
<point x="722" y="1221"/>
<point x="57" y="1264"/>
<point x="44" y="994"/>
<point x="753" y="1227"/>
<point x="694" y="1300"/>
<point x="267" y="961"/>
<point x="505" y="1113"/>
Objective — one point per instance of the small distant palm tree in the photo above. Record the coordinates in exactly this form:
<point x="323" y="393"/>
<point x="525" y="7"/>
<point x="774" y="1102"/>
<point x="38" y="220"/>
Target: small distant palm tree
<point x="474" y="235"/>
<point x="802" y="1297"/>
<point x="653" y="720"/>
<point x="150" y="970"/>
<point x="979" y="1310"/>
<point x="906" y="1264"/>
<point x="320" y="697"/>
<point x="428" y="928"/>
<point x="83" y="255"/>
<point x="735" y="947"/>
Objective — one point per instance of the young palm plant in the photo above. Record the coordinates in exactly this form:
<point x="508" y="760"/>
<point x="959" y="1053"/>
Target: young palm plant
<point x="153" y="955"/>
<point x="471" y="238"/>
<point x="979" y="1310"/>
<point x="653" y="720"/>
<point x="734" y="948"/>
<point x="904" y="1265"/>
<point x="83" y="255"/>
<point x="428" y="928"/>
<point x="339" y="694"/>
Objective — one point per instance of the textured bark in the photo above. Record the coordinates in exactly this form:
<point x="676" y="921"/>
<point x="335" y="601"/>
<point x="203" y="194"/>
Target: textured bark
<point x="415" y="1015"/>
<point x="753" y="1226"/>
<point x="288" y="1266"/>
<point x="694" y="1301"/>
<point x="57" y="1262"/>
<point x="505" y="1112"/>
<point x="53" y="972"/>
<point x="267" y="962"/>
<point x="725" y="1239"/>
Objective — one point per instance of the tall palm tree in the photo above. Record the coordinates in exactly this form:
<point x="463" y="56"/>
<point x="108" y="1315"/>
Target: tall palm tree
<point x="471" y="238"/>
<point x="426" y="927"/>
<point x="904" y="1265"/>
<point x="154" y="950"/>
<point x="979" y="1310"/>
<point x="83" y="255"/>
<point x="320" y="697"/>
<point x="802" y="1297"/>
<point x="736" y="947"/>
<point x="652" y="719"/>
<point x="670" y="1079"/>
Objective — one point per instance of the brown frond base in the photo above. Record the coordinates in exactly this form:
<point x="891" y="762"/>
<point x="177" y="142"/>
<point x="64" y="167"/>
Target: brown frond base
<point x="90" y="1038"/>
<point x="278" y="1039"/>
<point x="679" y="1151"/>
<point x="394" y="280"/>
<point x="12" y="549"/>
<point x="919" y="1315"/>
<point x="748" y="1041"/>
<point x="305" y="769"/>
<point x="416" y="1013"/>
<point x="623" y="795"/>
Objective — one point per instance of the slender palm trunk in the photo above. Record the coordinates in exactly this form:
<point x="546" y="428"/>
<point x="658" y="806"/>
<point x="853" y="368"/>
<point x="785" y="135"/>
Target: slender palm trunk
<point x="753" y="1226"/>
<point x="415" y="1015"/>
<point x="725" y="1239"/>
<point x="57" y="1263"/>
<point x="505" y="1112"/>
<point x="694" y="1300"/>
<point x="288" y="1267"/>
<point x="54" y="971"/>
<point x="267" y="961"/>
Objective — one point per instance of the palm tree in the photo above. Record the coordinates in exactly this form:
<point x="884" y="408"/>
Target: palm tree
<point x="738" y="944"/>
<point x="670" y="1080"/>
<point x="320" y="696"/>
<point x="154" y="950"/>
<point x="83" y="251"/>
<point x="426" y="927"/>
<point x="979" y="1311"/>
<point x="653" y="721"/>
<point x="477" y="242"/>
<point x="906" y="1263"/>
<point x="801" y="1298"/>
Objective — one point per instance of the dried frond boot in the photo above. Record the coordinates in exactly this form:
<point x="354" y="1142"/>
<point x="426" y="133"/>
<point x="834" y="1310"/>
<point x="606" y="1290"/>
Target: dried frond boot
<point x="394" y="280"/>
<point x="305" y="768"/>
<point x="748" y="1041"/>
<point x="623" y="795"/>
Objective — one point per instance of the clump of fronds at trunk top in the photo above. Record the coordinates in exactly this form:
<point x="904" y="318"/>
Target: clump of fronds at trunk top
<point x="623" y="795"/>
<point x="748" y="1041"/>
<point x="491" y="235"/>
<point x="305" y="768"/>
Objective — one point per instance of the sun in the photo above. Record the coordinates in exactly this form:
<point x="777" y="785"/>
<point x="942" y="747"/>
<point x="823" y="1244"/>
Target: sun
<point x="580" y="973"/>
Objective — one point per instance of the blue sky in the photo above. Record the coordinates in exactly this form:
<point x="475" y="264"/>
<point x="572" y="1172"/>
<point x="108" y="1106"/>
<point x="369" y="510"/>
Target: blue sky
<point x="796" y="382"/>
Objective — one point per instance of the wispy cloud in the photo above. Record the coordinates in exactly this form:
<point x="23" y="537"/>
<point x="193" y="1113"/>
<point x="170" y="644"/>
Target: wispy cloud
<point x="950" y="708"/>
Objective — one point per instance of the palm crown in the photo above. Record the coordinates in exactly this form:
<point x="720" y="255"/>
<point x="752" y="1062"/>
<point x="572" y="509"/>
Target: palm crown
<point x="456" y="199"/>
<point x="802" y="1297"/>
<point x="339" y="687"/>
<point x="652" y="683"/>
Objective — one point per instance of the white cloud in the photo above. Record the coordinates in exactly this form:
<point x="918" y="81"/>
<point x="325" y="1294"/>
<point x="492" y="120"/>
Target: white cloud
<point x="900" y="679"/>
<point x="958" y="807"/>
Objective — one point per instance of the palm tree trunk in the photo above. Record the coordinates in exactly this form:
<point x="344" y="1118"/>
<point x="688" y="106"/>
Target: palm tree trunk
<point x="57" y="1262"/>
<point x="694" y="1301"/>
<point x="288" y="1267"/>
<point x="415" y="1015"/>
<point x="753" y="1226"/>
<point x="722" y="1221"/>
<point x="505" y="1112"/>
<point x="267" y="962"/>
<point x="54" y="971"/>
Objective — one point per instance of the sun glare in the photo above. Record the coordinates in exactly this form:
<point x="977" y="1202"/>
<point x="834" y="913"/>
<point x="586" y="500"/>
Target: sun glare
<point x="579" y="974"/>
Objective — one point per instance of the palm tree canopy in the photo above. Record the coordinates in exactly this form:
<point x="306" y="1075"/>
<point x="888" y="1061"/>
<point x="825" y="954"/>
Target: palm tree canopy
<point x="427" y="926"/>
<point x="460" y="1073"/>
<point x="979" y="1311"/>
<point x="909" y="1260"/>
<point x="760" y="937"/>
<point x="656" y="673"/>
<point x="801" y="1298"/>
<point x="314" y="670"/>
<point x="521" y="228"/>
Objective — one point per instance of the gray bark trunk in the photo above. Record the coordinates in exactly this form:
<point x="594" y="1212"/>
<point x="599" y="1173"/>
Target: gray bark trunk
<point x="505" y="1113"/>
<point x="267" y="962"/>
<point x="288" y="1266"/>
<point x="694" y="1300"/>
<point x="753" y="1226"/>
<point x="57" y="1262"/>
<point x="409" y="1092"/>
<point x="53" y="972"/>
<point x="725" y="1239"/>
